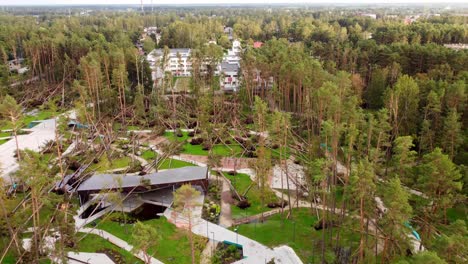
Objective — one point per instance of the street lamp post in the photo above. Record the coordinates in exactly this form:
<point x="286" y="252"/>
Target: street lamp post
<point x="237" y="235"/>
<point x="213" y="248"/>
<point x="294" y="231"/>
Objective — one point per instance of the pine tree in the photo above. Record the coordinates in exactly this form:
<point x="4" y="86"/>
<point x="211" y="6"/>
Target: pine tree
<point x="403" y="158"/>
<point x="144" y="238"/>
<point x="12" y="113"/>
<point x="393" y="223"/>
<point x="362" y="191"/>
<point x="439" y="178"/>
<point x="452" y="133"/>
<point x="185" y="201"/>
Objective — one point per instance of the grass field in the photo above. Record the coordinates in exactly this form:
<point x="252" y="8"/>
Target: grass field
<point x="104" y="164"/>
<point x="242" y="182"/>
<point x="41" y="115"/>
<point x="173" y="244"/>
<point x="220" y="149"/>
<point x="174" y="164"/>
<point x="94" y="243"/>
<point x="167" y="163"/>
<point x="5" y="134"/>
<point x="297" y="233"/>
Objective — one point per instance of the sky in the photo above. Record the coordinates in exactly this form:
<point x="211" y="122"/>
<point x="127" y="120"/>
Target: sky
<point x="156" y="2"/>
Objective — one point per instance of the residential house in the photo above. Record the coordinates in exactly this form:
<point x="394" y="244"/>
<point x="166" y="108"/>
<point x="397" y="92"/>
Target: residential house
<point x="229" y="31"/>
<point x="15" y="65"/>
<point x="229" y="68"/>
<point x="229" y="79"/>
<point x="257" y="44"/>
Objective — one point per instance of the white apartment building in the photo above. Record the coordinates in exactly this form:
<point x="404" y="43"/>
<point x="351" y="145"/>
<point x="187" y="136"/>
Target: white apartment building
<point x="177" y="62"/>
<point x="229" y="68"/>
<point x="229" y="78"/>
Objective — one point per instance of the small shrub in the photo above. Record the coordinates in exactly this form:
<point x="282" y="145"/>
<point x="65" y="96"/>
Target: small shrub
<point x="196" y="141"/>
<point x="192" y="124"/>
<point x="248" y="120"/>
<point x="179" y="133"/>
<point x="243" y="204"/>
<point x="272" y="205"/>
<point x="159" y="130"/>
<point x="73" y="165"/>
<point x="206" y="146"/>
<point x="250" y="154"/>
<point x="240" y="140"/>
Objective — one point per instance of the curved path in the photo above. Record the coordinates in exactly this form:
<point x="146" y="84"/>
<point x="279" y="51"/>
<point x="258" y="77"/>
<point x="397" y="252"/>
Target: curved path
<point x="118" y="242"/>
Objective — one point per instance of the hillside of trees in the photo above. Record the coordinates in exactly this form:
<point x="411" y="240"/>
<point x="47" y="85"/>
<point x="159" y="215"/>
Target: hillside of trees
<point x="383" y="99"/>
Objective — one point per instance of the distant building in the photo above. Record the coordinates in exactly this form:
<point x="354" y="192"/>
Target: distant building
<point x="373" y="16"/>
<point x="257" y="44"/>
<point x="229" y="68"/>
<point x="229" y="80"/>
<point x="458" y="46"/>
<point x="148" y="31"/>
<point x="229" y="31"/>
<point x="16" y="65"/>
<point x="411" y="19"/>
<point x="177" y="62"/>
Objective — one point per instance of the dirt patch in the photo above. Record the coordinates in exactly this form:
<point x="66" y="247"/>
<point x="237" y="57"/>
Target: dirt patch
<point x="226" y="197"/>
<point x="197" y="158"/>
<point x="237" y="163"/>
<point x="153" y="140"/>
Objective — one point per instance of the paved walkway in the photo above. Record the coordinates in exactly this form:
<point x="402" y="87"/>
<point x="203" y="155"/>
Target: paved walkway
<point x="38" y="136"/>
<point x="254" y="252"/>
<point x="89" y="258"/>
<point x="225" y="218"/>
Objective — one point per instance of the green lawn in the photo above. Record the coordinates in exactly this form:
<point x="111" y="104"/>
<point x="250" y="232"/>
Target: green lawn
<point x="173" y="244"/>
<point x="174" y="164"/>
<point x="93" y="243"/>
<point x="3" y="141"/>
<point x="297" y="233"/>
<point x="148" y="155"/>
<point x="171" y="136"/>
<point x="104" y="164"/>
<point x="220" y="149"/>
<point x="275" y="153"/>
<point x="241" y="182"/>
<point x="43" y="114"/>
<point x="5" y="134"/>
<point x="167" y="163"/>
